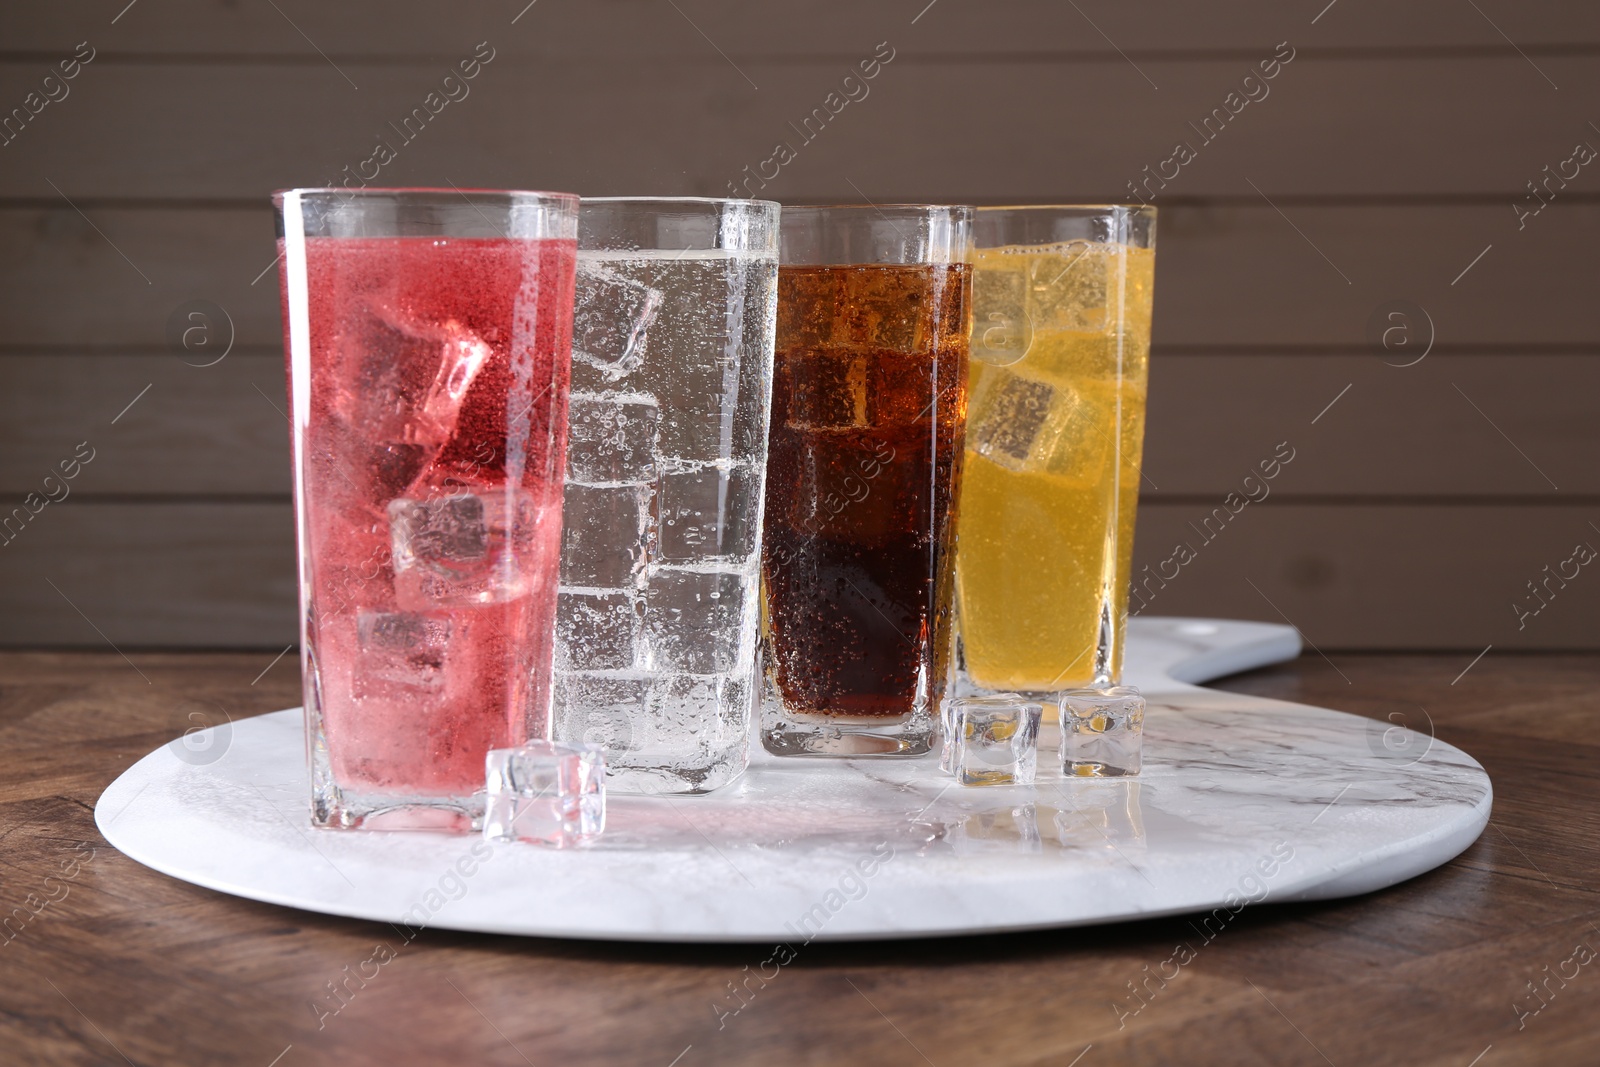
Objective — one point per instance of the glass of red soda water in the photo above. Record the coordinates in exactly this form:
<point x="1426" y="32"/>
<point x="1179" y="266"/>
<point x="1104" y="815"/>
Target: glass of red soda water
<point x="427" y="335"/>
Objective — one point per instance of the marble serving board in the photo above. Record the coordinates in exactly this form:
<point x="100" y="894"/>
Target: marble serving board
<point x="1242" y="799"/>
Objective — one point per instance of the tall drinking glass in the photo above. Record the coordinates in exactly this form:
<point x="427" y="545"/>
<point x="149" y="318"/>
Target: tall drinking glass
<point x="1055" y="428"/>
<point x="869" y="396"/>
<point x="427" y="337"/>
<point x="672" y="377"/>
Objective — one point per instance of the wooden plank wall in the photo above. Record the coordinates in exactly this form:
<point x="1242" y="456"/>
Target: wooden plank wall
<point x="1382" y="164"/>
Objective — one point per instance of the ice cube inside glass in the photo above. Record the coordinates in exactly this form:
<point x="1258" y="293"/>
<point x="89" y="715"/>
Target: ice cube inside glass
<point x="546" y="793"/>
<point x="995" y="739"/>
<point x="1102" y="732"/>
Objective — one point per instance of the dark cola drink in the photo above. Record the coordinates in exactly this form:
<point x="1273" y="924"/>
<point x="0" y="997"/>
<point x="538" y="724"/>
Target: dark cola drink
<point x="868" y="409"/>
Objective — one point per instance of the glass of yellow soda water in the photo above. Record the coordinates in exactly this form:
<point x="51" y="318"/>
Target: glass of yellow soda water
<point x="1060" y="359"/>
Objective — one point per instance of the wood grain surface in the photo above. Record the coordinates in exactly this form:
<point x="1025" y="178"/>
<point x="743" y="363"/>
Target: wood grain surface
<point x="687" y="123"/>
<point x="1432" y="431"/>
<point x="1387" y="161"/>
<point x="1229" y="277"/>
<point x="109" y="962"/>
<point x="368" y="28"/>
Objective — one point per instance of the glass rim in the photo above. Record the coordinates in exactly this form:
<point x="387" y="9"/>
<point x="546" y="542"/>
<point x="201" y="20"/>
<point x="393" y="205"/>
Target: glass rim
<point x="719" y="200"/>
<point x="904" y="210"/>
<point x="1135" y="209"/>
<point x="877" y="235"/>
<point x="738" y="226"/>
<point x="420" y="191"/>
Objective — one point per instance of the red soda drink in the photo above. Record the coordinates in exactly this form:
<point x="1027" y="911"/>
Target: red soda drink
<point x="429" y="379"/>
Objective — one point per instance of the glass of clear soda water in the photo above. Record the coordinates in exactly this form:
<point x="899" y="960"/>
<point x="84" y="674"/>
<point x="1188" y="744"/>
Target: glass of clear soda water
<point x="659" y="609"/>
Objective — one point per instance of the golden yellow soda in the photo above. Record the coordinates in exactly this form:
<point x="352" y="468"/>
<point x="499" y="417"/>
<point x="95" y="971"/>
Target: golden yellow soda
<point x="1055" y="431"/>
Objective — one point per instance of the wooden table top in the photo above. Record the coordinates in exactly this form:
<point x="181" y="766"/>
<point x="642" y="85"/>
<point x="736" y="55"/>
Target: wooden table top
<point x="104" y="962"/>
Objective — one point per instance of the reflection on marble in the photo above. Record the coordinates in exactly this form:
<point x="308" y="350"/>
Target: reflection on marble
<point x="1103" y="814"/>
<point x="874" y="848"/>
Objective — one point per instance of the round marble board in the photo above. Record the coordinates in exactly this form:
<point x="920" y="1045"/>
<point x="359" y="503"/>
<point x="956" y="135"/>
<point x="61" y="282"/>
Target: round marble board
<point x="1241" y="799"/>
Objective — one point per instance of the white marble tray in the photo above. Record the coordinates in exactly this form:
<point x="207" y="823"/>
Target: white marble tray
<point x="1241" y="798"/>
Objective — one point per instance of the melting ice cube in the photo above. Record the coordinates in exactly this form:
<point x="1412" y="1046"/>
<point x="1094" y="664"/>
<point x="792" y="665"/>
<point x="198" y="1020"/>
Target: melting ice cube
<point x="1102" y="732"/>
<point x="440" y="533"/>
<point x="605" y="532"/>
<point x="405" y="403"/>
<point x="463" y="549"/>
<point x="829" y="390"/>
<point x="694" y="620"/>
<point x="602" y="709"/>
<point x="462" y="355"/>
<point x="707" y="513"/>
<point x="611" y="319"/>
<point x="597" y="631"/>
<point x="691" y="713"/>
<point x="414" y="375"/>
<point x="401" y="650"/>
<point x="1070" y="287"/>
<point x="394" y="465"/>
<point x="996" y="740"/>
<point x="1030" y="425"/>
<point x="545" y="793"/>
<point x="1007" y="417"/>
<point x="1002" y="331"/>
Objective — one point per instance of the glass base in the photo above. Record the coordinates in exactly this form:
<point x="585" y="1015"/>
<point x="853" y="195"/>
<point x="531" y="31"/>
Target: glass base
<point x="333" y="808"/>
<point x="337" y="807"/>
<point x="964" y="686"/>
<point x="849" y="736"/>
<point x="637" y="772"/>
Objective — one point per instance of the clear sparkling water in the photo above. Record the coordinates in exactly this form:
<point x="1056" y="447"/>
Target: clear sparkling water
<point x="655" y="649"/>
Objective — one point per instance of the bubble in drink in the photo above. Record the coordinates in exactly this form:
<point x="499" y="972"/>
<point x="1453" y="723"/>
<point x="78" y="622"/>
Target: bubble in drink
<point x="612" y="438"/>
